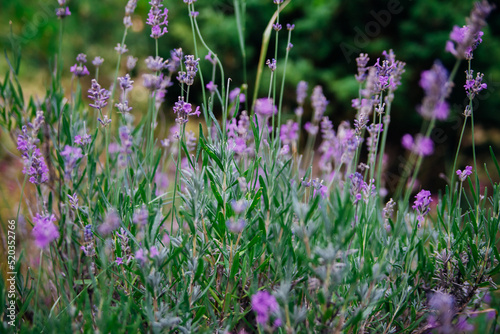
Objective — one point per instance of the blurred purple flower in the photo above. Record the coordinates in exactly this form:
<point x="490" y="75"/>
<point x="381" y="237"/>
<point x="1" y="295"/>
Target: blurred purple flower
<point x="264" y="304"/>
<point x="289" y="132"/>
<point x="265" y="108"/>
<point x="422" y="146"/>
<point x="435" y="84"/>
<point x="111" y="223"/>
<point x="44" y="230"/>
<point x="319" y="103"/>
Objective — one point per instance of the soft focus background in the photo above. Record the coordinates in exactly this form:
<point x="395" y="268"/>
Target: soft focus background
<point x="328" y="36"/>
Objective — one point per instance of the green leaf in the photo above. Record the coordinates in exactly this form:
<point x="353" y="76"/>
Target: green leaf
<point x="235" y="267"/>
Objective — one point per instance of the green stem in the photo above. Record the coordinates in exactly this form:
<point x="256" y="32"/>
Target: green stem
<point x="183" y="127"/>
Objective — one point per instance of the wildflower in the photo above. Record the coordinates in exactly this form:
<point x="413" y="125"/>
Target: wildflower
<point x="119" y="260"/>
<point x="157" y="19"/>
<point x="271" y="64"/>
<point x="437" y="88"/>
<point x="289" y="132"/>
<point x="44" y="230"/>
<point x="235" y="226"/>
<point x="211" y="87"/>
<point x="184" y="110"/>
<point x="121" y="49"/>
<point x="277" y="27"/>
<point x="474" y="86"/>
<point x="290" y="26"/>
<point x="79" y="70"/>
<point x="301" y="92"/>
<point x="194" y="14"/>
<point x="466" y="39"/>
<point x="289" y="46"/>
<point x="140" y="255"/>
<point x="318" y="102"/>
<point x="97" y="61"/>
<point x="278" y="2"/>
<point x="388" y="210"/>
<point x="153" y="251"/>
<point x="285" y="150"/>
<point x="36" y="167"/>
<point x="71" y="156"/>
<point x="165" y="239"/>
<point x="111" y="223"/>
<point x="63" y="10"/>
<point x="422" y="146"/>
<point x="73" y="201"/>
<point x="88" y="239"/>
<point x="442" y="303"/>
<point x="236" y="93"/>
<point x="131" y="62"/>
<point x="264" y="304"/>
<point x="141" y="216"/>
<point x="98" y="95"/>
<point x="104" y="121"/>
<point x="362" y="61"/>
<point x="421" y="205"/>
<point x="129" y="10"/>
<point x="462" y="175"/>
<point x="264" y="107"/>
<point x="239" y="206"/>
<point x="311" y="128"/>
<point x="211" y="58"/>
<point x="360" y="189"/>
<point x="187" y="76"/>
<point x="156" y="64"/>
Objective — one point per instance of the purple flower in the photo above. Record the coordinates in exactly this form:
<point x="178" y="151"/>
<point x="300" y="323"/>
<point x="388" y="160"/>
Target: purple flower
<point x="264" y="304"/>
<point x="140" y="255"/>
<point x="73" y="201"/>
<point x="79" y="70"/>
<point x="462" y="175"/>
<point x="97" y="61"/>
<point x="318" y="102"/>
<point x="98" y="95"/>
<point x="111" y="223"/>
<point x="466" y="39"/>
<point x="422" y="146"/>
<point x="362" y="61"/>
<point x="290" y="26"/>
<point x="63" y="10"/>
<point x="71" y="156"/>
<point x="119" y="260"/>
<point x="277" y="27"/>
<point x="81" y="58"/>
<point x="141" y="216"/>
<point x="129" y="10"/>
<point x="422" y="204"/>
<point x="437" y="88"/>
<point x="156" y="64"/>
<point x="211" y="87"/>
<point x="237" y="93"/>
<point x="271" y="64"/>
<point x="121" y="49"/>
<point x="235" y="226"/>
<point x="301" y="92"/>
<point x="131" y="62"/>
<point x="442" y="303"/>
<point x="289" y="132"/>
<point x="311" y="129"/>
<point x="44" y="230"/>
<point x="474" y="86"/>
<point x="153" y="251"/>
<point x="36" y="167"/>
<point x="187" y="76"/>
<point x="360" y="189"/>
<point x="239" y="206"/>
<point x="184" y="110"/>
<point x="265" y="108"/>
<point x="157" y="19"/>
<point x="211" y="58"/>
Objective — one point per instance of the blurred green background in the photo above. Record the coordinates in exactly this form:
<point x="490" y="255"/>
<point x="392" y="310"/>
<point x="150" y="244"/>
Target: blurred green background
<point x="324" y="29"/>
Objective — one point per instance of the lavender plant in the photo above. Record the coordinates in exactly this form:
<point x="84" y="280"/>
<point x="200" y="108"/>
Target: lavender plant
<point x="237" y="228"/>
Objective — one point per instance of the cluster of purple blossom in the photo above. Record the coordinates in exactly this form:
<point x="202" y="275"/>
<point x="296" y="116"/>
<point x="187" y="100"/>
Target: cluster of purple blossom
<point x="63" y="10"/>
<point x="422" y="205"/>
<point x="44" y="230"/>
<point x="184" y="110"/>
<point x="71" y="157"/>
<point x="266" y="306"/>
<point x="239" y="135"/>
<point x="124" y="149"/>
<point x="360" y="190"/>
<point x="187" y="76"/>
<point x="157" y="19"/>
<point x="34" y="162"/>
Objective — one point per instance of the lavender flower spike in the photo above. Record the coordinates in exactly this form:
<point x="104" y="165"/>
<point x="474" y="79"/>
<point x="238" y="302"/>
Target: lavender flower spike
<point x="157" y="19"/>
<point x="184" y="110"/>
<point x="264" y="304"/>
<point x="437" y="88"/>
<point x="421" y="205"/>
<point x="44" y="231"/>
<point x="98" y="95"/>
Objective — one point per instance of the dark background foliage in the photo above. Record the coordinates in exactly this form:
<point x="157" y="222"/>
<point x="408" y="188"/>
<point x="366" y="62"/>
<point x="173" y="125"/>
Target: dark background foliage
<point x="328" y="36"/>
